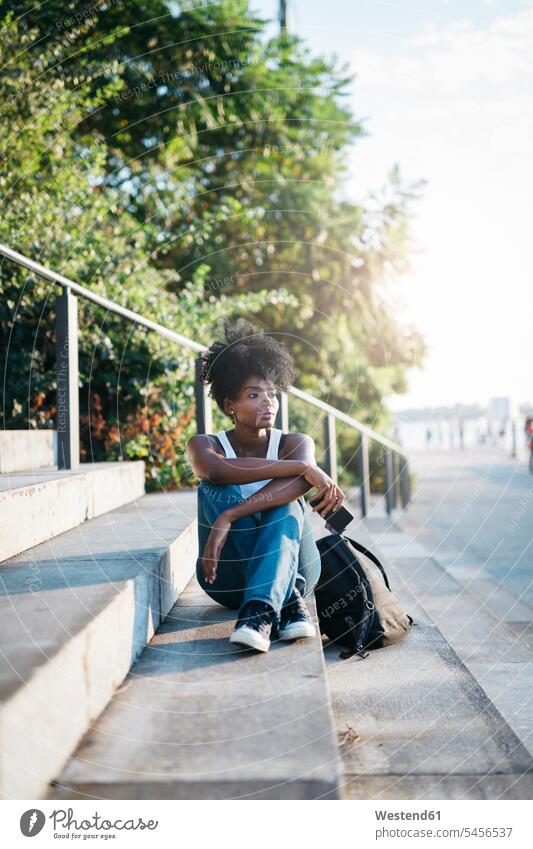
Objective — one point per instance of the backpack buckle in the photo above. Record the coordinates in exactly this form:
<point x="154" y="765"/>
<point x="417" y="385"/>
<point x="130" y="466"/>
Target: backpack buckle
<point x="360" y="650"/>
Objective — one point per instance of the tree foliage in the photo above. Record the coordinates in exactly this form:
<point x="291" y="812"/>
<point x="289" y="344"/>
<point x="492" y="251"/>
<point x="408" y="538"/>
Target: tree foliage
<point x="178" y="161"/>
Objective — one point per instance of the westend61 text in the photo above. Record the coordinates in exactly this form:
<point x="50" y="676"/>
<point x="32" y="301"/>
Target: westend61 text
<point x="407" y="815"/>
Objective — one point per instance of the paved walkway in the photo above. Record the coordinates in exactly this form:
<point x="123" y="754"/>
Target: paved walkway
<point x="473" y="509"/>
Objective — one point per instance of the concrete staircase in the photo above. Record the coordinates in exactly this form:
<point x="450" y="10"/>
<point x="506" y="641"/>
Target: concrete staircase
<point x="40" y="504"/>
<point x="105" y="566"/>
<point x="200" y="718"/>
<point x="118" y="680"/>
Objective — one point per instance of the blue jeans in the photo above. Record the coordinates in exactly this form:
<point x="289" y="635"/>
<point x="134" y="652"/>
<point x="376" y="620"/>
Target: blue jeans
<point x="265" y="554"/>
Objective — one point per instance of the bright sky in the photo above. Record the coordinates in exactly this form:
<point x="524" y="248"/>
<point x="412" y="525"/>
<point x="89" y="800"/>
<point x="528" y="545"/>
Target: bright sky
<point x="446" y="88"/>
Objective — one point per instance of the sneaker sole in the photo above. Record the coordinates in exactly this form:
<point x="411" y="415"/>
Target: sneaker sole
<point x="297" y="631"/>
<point x="248" y="637"/>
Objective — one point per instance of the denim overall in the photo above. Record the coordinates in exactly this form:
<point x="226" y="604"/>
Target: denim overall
<point x="265" y="553"/>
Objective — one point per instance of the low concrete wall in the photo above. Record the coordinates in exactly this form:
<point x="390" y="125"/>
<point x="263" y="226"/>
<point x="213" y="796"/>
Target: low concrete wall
<point x="24" y="450"/>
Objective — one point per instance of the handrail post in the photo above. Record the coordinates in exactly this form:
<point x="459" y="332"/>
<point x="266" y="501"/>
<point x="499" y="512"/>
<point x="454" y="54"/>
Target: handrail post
<point x="404" y="481"/>
<point x="204" y="413"/>
<point x="330" y="447"/>
<point x="364" y="474"/>
<point x="395" y="478"/>
<point x="282" y="416"/>
<point x="389" y="480"/>
<point x="68" y="411"/>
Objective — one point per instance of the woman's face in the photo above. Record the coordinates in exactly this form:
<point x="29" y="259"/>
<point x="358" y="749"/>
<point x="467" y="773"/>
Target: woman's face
<point x="255" y="399"/>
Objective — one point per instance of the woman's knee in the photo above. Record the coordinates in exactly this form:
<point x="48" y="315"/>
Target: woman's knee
<point x="214" y="499"/>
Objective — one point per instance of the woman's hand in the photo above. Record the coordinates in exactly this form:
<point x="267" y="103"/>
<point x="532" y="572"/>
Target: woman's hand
<point x="316" y="477"/>
<point x="214" y="545"/>
<point x="330" y="496"/>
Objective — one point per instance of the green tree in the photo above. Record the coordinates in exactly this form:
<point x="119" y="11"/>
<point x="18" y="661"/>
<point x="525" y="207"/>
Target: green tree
<point x="136" y="387"/>
<point x="228" y="150"/>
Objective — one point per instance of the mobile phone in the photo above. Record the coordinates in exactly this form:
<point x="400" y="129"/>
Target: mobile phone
<point x="338" y="519"/>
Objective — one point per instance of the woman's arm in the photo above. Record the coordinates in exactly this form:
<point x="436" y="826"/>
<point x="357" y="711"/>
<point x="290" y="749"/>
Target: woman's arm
<point x="210" y="466"/>
<point x="299" y="447"/>
<point x="302" y="448"/>
<point x="281" y="491"/>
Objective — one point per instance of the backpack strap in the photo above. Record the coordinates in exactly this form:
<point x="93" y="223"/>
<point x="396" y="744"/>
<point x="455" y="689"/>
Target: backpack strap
<point x="359" y="630"/>
<point x="372" y="557"/>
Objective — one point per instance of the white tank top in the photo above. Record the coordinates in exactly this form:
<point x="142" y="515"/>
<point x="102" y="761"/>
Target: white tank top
<point x="248" y="489"/>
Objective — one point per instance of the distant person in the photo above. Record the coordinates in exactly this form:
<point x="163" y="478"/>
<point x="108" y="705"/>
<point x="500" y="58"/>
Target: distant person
<point x="528" y="429"/>
<point x="428" y="436"/>
<point x="483" y="430"/>
<point x="461" y="433"/>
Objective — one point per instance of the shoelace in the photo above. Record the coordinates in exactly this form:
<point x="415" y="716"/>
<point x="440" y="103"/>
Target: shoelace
<point x="297" y="607"/>
<point x="262" y="617"/>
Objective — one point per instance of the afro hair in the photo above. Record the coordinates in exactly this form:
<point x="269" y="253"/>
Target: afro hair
<point x="246" y="350"/>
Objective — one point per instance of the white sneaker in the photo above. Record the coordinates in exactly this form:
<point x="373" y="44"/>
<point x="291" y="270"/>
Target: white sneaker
<point x="254" y="626"/>
<point x="295" y="621"/>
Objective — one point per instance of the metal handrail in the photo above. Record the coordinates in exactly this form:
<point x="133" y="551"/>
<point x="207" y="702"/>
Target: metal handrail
<point x="66" y="342"/>
<point x="112" y="306"/>
<point x="343" y="417"/>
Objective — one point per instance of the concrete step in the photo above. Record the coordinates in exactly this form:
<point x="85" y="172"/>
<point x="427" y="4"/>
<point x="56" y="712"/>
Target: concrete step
<point x="498" y="653"/>
<point x="38" y="505"/>
<point x="22" y="450"/>
<point x="75" y="613"/>
<point x="201" y="718"/>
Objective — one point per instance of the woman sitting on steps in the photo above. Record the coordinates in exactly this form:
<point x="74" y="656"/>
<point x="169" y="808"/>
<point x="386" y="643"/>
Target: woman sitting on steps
<point x="257" y="552"/>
